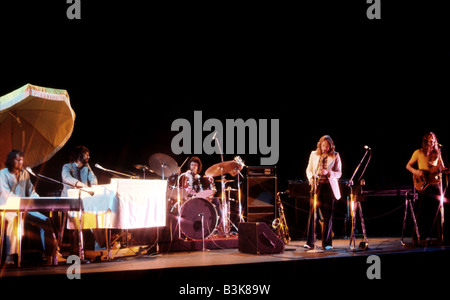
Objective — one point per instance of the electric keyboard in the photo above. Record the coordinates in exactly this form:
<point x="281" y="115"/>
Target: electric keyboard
<point x="41" y="204"/>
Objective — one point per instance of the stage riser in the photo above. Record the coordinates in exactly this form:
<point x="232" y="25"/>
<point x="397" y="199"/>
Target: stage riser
<point x="178" y="245"/>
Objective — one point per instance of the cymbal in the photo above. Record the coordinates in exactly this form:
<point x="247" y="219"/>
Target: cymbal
<point x="160" y="161"/>
<point x="225" y="180"/>
<point x="218" y="169"/>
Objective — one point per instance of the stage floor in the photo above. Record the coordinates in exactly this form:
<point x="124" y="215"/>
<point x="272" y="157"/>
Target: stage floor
<point x="227" y="267"/>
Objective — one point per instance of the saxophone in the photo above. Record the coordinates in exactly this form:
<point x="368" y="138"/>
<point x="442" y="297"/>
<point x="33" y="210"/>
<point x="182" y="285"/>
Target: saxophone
<point x="280" y="224"/>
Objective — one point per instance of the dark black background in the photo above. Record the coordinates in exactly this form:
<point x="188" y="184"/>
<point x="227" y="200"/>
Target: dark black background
<point x="320" y="67"/>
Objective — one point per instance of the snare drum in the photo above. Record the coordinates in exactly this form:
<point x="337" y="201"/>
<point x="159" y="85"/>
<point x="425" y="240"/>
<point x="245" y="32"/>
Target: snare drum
<point x="208" y="189"/>
<point x="198" y="187"/>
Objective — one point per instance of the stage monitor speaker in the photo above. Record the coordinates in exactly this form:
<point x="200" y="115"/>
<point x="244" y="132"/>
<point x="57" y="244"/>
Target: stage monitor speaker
<point x="258" y="238"/>
<point x="261" y="196"/>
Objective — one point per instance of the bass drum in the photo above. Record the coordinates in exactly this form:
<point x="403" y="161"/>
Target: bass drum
<point x="191" y="218"/>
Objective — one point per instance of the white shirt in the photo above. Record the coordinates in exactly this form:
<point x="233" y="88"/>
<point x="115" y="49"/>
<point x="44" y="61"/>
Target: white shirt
<point x="334" y="168"/>
<point x="9" y="186"/>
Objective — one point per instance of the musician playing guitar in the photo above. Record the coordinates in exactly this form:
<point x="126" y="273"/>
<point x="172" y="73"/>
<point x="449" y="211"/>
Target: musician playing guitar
<point x="427" y="178"/>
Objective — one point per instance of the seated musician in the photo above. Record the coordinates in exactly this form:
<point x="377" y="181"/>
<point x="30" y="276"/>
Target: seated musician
<point x="194" y="184"/>
<point x="78" y="173"/>
<point x="15" y="182"/>
<point x="429" y="165"/>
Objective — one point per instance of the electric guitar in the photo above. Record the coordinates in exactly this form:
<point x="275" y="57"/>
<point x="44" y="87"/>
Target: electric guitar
<point x="428" y="177"/>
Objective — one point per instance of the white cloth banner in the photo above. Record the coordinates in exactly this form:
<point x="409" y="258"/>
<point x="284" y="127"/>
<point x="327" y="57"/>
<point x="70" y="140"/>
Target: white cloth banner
<point x="125" y="204"/>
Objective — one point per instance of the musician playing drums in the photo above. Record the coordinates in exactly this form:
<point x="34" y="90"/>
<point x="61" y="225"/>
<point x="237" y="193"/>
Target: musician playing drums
<point x="194" y="184"/>
<point x="427" y="181"/>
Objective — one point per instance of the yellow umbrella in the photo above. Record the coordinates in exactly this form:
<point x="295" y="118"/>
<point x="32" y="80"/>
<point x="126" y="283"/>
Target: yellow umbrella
<point x="36" y="120"/>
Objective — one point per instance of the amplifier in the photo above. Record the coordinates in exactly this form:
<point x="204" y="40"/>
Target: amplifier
<point x="261" y="194"/>
<point x="262" y="171"/>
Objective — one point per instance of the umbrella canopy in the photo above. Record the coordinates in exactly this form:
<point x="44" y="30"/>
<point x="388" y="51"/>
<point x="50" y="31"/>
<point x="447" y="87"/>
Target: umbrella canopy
<point x="36" y="120"/>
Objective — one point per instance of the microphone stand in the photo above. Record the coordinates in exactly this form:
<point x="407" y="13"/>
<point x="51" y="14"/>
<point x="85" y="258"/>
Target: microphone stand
<point x="80" y="209"/>
<point x="224" y="200"/>
<point x="115" y="172"/>
<point x="363" y="245"/>
<point x="59" y="182"/>
<point x="314" y="208"/>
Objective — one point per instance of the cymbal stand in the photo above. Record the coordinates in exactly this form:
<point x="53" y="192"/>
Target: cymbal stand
<point x="241" y="217"/>
<point x="230" y="223"/>
<point x="408" y="204"/>
<point x="179" y="206"/>
<point x="224" y="205"/>
<point x="224" y="200"/>
<point x="163" y="166"/>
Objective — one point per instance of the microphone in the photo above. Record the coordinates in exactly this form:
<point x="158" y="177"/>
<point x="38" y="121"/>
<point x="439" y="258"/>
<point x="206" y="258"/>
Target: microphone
<point x="285" y="192"/>
<point x="214" y="135"/>
<point x="30" y="171"/>
<point x="99" y="167"/>
<point x="143" y="167"/>
<point x="440" y="145"/>
<point x="367" y="147"/>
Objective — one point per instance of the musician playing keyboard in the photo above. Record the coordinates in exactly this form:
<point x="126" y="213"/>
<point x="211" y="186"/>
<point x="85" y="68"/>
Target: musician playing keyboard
<point x="15" y="182"/>
<point x="427" y="181"/>
<point x="78" y="173"/>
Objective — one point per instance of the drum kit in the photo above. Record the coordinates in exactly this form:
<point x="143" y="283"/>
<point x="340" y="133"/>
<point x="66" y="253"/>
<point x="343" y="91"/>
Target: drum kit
<point x="199" y="211"/>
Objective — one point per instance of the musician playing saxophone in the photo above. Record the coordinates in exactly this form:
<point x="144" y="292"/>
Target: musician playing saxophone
<point x="427" y="180"/>
<point x="324" y="169"/>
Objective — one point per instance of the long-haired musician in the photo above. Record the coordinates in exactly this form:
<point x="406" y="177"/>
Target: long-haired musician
<point x="15" y="182"/>
<point x="324" y="169"/>
<point x="426" y="165"/>
<point x="192" y="181"/>
<point x="78" y="172"/>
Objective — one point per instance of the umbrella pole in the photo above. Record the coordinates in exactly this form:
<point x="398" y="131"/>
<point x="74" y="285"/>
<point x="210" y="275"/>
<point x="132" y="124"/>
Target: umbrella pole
<point x="21" y="128"/>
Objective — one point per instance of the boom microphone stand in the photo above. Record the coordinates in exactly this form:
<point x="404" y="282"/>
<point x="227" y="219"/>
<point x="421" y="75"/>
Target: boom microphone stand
<point x="118" y="173"/>
<point x="80" y="209"/>
<point x="355" y="205"/>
